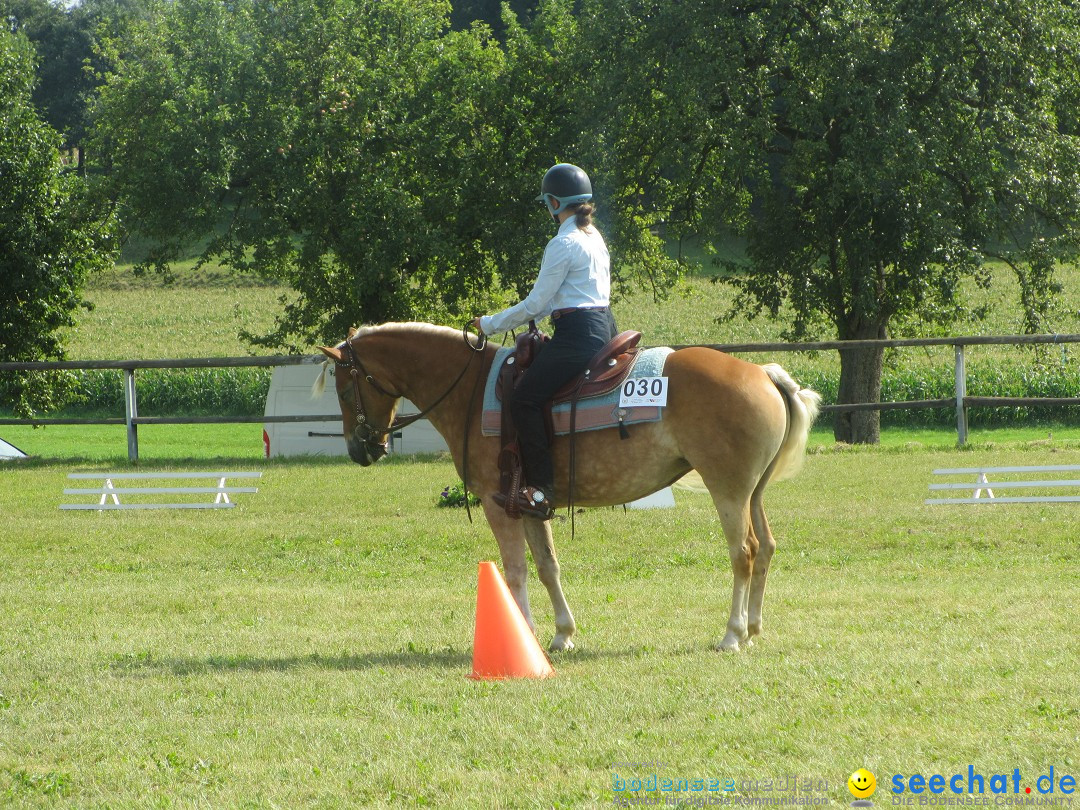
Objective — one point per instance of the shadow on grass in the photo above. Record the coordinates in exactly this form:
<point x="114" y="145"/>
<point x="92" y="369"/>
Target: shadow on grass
<point x="145" y="663"/>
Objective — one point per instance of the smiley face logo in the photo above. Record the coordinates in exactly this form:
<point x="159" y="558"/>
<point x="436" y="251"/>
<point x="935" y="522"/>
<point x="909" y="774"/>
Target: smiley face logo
<point x="862" y="784"/>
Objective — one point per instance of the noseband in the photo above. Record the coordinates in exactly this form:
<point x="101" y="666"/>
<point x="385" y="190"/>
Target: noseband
<point x="363" y="430"/>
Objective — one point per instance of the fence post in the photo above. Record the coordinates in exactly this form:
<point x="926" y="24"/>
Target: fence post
<point x="961" y="392"/>
<point x="131" y="411"/>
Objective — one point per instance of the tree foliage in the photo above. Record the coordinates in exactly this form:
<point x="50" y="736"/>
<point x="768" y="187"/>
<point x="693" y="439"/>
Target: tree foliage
<point x="379" y="164"/>
<point x="64" y="40"/>
<point x="50" y="238"/>
<point x="873" y="154"/>
<point x="465" y="13"/>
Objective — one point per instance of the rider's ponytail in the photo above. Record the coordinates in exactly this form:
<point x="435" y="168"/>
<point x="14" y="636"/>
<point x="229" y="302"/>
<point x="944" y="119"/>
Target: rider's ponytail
<point x="583" y="214"/>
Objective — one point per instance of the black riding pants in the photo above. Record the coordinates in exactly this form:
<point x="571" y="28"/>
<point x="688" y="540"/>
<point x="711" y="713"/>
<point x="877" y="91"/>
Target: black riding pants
<point x="578" y="337"/>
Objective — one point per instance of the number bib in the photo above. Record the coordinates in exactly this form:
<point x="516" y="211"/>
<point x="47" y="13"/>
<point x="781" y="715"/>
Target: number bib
<point x="642" y="391"/>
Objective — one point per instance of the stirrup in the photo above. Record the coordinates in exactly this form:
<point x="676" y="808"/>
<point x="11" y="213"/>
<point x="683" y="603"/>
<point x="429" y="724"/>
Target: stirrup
<point x="528" y="501"/>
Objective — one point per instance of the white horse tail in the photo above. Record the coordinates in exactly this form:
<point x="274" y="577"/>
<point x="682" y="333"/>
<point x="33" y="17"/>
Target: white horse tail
<point x="803" y="407"/>
<point x="320" y="383"/>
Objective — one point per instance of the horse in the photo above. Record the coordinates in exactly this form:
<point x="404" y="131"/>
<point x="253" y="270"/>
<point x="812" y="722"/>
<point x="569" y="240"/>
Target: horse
<point x="737" y="424"/>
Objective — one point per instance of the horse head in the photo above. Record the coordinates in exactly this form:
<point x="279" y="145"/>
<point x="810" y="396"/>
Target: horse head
<point x="367" y="408"/>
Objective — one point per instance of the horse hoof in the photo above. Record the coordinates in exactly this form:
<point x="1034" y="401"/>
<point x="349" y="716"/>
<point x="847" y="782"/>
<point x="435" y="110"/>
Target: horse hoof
<point x="559" y="644"/>
<point x="729" y="644"/>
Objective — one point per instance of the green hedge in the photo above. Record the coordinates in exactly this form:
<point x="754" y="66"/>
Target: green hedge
<point x="173" y="392"/>
<point x="903" y="385"/>
<point x="242" y="391"/>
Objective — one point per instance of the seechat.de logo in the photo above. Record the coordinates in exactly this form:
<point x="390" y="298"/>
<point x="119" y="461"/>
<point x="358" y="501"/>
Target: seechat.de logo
<point x="1003" y="788"/>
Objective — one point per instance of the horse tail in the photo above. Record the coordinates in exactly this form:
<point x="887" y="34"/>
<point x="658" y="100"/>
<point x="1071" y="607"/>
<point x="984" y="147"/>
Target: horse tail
<point x="320" y="382"/>
<point x="803" y="406"/>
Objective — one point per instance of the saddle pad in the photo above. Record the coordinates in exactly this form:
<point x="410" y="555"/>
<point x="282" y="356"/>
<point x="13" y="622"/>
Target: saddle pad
<point x="593" y="413"/>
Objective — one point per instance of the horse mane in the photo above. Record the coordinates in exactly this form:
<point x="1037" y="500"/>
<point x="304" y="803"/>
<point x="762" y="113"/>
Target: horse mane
<point x="429" y="329"/>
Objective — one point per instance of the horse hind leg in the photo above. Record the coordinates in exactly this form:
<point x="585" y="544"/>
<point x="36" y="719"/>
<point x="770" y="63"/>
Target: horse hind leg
<point x="542" y="545"/>
<point x="742" y="548"/>
<point x="766" y="547"/>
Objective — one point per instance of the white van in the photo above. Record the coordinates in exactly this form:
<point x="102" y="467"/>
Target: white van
<point x="290" y="395"/>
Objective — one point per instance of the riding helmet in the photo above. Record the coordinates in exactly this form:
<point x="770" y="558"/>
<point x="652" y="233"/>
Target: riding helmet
<point x="568" y="184"/>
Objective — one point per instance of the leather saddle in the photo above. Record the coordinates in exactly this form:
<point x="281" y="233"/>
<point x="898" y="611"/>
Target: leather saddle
<point x="605" y="372"/>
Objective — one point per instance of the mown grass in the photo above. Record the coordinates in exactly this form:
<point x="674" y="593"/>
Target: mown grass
<point x="157" y="443"/>
<point x="311" y="647"/>
<point x="243" y="442"/>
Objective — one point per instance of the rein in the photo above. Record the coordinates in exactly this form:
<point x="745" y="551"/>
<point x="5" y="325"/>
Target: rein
<point x="363" y="428"/>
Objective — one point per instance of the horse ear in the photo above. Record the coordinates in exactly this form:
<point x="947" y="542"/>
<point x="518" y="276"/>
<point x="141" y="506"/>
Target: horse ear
<point x="333" y="354"/>
<point x="352" y="332"/>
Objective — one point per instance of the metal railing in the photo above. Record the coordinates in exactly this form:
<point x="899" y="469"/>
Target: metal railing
<point x="961" y="401"/>
<point x="131" y="419"/>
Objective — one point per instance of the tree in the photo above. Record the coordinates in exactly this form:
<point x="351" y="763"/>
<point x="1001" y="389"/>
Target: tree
<point x="377" y="163"/>
<point x="872" y="153"/>
<point x="63" y="38"/>
<point x="489" y="12"/>
<point x="51" y="238"/>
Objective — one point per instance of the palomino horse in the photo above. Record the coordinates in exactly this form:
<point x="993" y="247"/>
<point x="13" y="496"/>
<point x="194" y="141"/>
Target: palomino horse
<point x="739" y="425"/>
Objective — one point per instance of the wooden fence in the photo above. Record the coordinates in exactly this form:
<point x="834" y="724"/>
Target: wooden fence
<point x="961" y="401"/>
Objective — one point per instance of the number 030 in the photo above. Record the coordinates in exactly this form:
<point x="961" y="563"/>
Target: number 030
<point x="644" y="387"/>
<point x="639" y="391"/>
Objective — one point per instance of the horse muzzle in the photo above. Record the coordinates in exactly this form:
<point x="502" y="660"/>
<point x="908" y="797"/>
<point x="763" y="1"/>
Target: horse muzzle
<point x="363" y="452"/>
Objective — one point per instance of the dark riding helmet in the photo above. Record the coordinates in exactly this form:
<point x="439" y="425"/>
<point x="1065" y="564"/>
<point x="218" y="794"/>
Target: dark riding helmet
<point x="567" y="184"/>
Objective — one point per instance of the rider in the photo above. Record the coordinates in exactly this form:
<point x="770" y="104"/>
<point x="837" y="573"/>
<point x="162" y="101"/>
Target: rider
<point x="574" y="288"/>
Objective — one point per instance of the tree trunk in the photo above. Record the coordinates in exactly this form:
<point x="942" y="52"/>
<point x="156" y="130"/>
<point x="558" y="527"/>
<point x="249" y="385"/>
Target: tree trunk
<point x="860" y="381"/>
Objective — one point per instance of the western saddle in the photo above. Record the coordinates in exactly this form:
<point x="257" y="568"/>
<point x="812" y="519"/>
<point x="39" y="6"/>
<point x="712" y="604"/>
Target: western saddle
<point x="605" y="372"/>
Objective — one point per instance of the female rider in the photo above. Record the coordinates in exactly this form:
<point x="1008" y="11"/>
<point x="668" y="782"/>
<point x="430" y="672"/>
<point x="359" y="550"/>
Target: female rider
<point x="574" y="288"/>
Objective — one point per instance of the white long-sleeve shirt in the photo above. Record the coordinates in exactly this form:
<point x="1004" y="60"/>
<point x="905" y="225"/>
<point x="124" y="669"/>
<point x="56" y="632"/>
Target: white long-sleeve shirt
<point x="575" y="272"/>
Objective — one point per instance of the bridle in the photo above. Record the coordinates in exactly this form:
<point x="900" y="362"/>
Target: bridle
<point x="364" y="431"/>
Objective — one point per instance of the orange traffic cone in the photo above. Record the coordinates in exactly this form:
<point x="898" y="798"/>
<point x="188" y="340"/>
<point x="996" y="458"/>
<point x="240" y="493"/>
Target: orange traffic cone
<point x="503" y="644"/>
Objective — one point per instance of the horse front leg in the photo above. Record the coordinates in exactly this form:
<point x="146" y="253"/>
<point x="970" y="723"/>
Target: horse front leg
<point x="542" y="545"/>
<point x="511" y="539"/>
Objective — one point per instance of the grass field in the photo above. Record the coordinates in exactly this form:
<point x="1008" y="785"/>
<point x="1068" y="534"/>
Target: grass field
<point x="311" y="647"/>
<point x="202" y="314"/>
<point x="229" y="443"/>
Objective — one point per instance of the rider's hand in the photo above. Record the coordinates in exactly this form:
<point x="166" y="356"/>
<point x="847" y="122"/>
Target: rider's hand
<point x="476" y="325"/>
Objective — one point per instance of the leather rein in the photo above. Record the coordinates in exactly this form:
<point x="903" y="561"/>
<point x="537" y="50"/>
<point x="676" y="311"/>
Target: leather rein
<point x="364" y="430"/>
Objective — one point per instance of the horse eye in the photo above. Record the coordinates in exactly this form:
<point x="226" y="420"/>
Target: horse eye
<point x="348" y="395"/>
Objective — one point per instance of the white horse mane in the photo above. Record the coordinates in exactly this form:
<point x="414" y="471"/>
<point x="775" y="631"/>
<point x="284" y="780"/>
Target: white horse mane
<point x="319" y="386"/>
